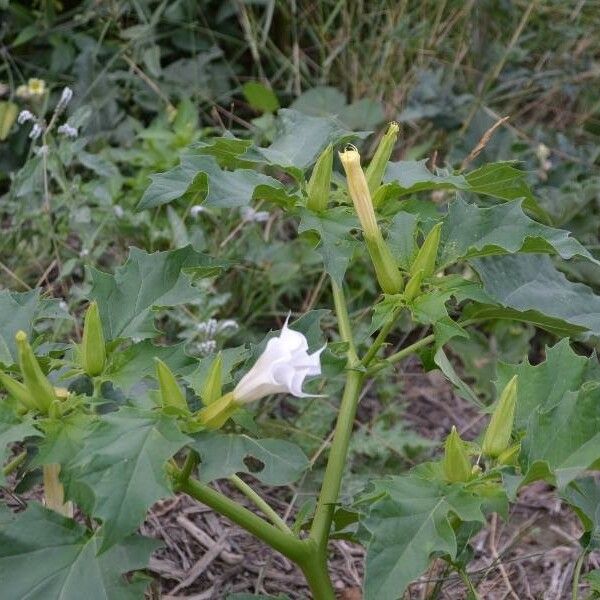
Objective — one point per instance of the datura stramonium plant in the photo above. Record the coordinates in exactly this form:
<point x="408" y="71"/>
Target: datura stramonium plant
<point x="281" y="369"/>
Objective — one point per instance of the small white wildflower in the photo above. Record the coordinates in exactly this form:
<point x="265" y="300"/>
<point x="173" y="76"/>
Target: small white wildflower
<point x="196" y="210"/>
<point x="119" y="212"/>
<point x="258" y="216"/>
<point x="24" y="116"/>
<point x="36" y="131"/>
<point x="65" y="98"/>
<point x="68" y="131"/>
<point x="208" y="347"/>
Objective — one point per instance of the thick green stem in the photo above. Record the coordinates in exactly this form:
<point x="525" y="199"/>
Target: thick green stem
<point x="295" y="549"/>
<point x="317" y="577"/>
<point x="345" y="329"/>
<point x="260" y="503"/>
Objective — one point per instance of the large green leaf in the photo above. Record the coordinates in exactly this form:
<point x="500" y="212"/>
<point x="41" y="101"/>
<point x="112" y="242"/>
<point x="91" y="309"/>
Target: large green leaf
<point x="409" y="176"/>
<point x="470" y="231"/>
<point x="202" y="180"/>
<point x="530" y="282"/>
<point x="336" y="245"/>
<point x="44" y="555"/>
<point x="408" y="519"/>
<point x="120" y="471"/>
<point x="222" y="455"/>
<point x="145" y="283"/>
<point x="584" y="496"/>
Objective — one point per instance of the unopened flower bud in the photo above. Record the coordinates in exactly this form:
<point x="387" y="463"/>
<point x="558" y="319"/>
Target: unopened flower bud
<point x="24" y="116"/>
<point x="93" y="346"/>
<point x="18" y="391"/>
<point x="36" y="131"/>
<point x="8" y="115"/>
<point x="34" y="379"/>
<point x="498" y="433"/>
<point x="170" y="392"/>
<point x="386" y="269"/>
<point x="215" y="415"/>
<point x="319" y="184"/>
<point x="427" y="255"/>
<point x="376" y="168"/>
<point x="65" y="98"/>
<point x="413" y="287"/>
<point x="510" y="455"/>
<point x="456" y="463"/>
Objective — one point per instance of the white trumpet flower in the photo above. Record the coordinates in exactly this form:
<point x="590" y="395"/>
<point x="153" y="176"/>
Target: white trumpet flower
<point x="280" y="369"/>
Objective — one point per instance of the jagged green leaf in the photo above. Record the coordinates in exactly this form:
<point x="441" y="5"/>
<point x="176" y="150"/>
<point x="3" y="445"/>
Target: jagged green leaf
<point x="45" y="555"/>
<point x="584" y="497"/>
<point x="145" y="283"/>
<point x="276" y="462"/>
<point x="120" y="471"/>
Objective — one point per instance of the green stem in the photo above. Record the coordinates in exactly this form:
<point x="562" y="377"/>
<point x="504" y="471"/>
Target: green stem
<point x="577" y="575"/>
<point x="380" y="339"/>
<point x="401" y="354"/>
<point x="473" y="595"/>
<point x="295" y="549"/>
<point x="189" y="465"/>
<point x="317" y="577"/>
<point x="341" y="310"/>
<point x="14" y="464"/>
<point x="260" y="503"/>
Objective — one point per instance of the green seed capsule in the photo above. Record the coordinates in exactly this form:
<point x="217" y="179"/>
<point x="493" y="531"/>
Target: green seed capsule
<point x="211" y="390"/>
<point x="427" y="255"/>
<point x="376" y="168"/>
<point x="170" y="392"/>
<point x="498" y="432"/>
<point x="34" y="379"/>
<point x="413" y="287"/>
<point x="18" y="391"/>
<point x="93" y="346"/>
<point x="319" y="185"/>
<point x="456" y="463"/>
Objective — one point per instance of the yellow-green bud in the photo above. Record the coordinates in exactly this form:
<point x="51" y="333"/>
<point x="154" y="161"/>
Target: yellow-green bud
<point x="386" y="269"/>
<point x="456" y="463"/>
<point x="510" y="455"/>
<point x="8" y="115"/>
<point x="93" y="346"/>
<point x="427" y="255"/>
<point x="34" y="379"/>
<point x="319" y="184"/>
<point x="376" y="168"/>
<point x="212" y="388"/>
<point x="216" y="414"/>
<point x="498" y="432"/>
<point x="413" y="287"/>
<point x="170" y="392"/>
<point x="18" y="391"/>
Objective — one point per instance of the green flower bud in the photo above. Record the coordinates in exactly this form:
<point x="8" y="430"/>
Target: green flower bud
<point x="216" y="414"/>
<point x="386" y="269"/>
<point x="510" y="455"/>
<point x="18" y="391"/>
<point x="8" y="115"/>
<point x="498" y="432"/>
<point x="427" y="255"/>
<point x="319" y="185"/>
<point x="211" y="390"/>
<point x="413" y="287"/>
<point x="93" y="347"/>
<point x="34" y="379"/>
<point x="170" y="392"/>
<point x="456" y="463"/>
<point x="376" y="168"/>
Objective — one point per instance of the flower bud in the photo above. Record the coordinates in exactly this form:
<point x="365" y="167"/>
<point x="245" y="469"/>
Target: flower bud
<point x="376" y="168"/>
<point x="34" y="379"/>
<point x="18" y="391"/>
<point x="510" y="455"/>
<point x="170" y="392"/>
<point x="456" y="463"/>
<point x="386" y="269"/>
<point x="216" y="414"/>
<point x="427" y="255"/>
<point x="211" y="390"/>
<point x="319" y="184"/>
<point x="93" y="347"/>
<point x="8" y="115"/>
<point x="498" y="432"/>
<point x="413" y="287"/>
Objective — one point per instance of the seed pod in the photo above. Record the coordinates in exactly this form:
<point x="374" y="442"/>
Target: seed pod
<point x="413" y="287"/>
<point x="18" y="391"/>
<point x="216" y="414"/>
<point x="498" y="432"/>
<point x="456" y="463"/>
<point x="93" y="346"/>
<point x="319" y="185"/>
<point x="427" y="255"/>
<point x="376" y="169"/>
<point x="170" y="392"/>
<point x="33" y="377"/>
<point x="211" y="390"/>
